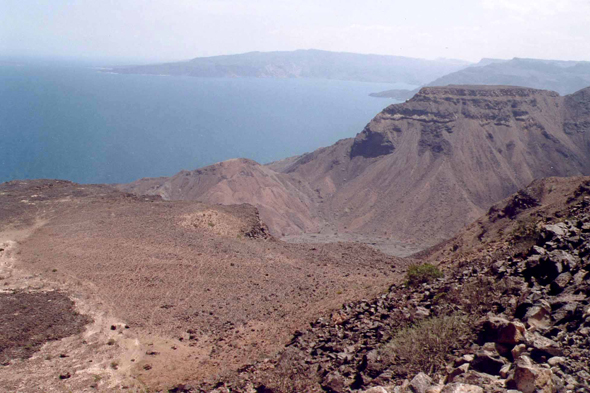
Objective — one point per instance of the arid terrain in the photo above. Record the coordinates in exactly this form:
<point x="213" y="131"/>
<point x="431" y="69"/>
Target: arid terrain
<point x="182" y="284"/>
<point x="417" y="174"/>
<point x="510" y="312"/>
<point x="162" y="291"/>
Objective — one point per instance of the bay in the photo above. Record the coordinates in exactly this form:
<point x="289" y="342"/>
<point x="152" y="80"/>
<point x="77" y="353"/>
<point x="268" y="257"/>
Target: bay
<point x="77" y="123"/>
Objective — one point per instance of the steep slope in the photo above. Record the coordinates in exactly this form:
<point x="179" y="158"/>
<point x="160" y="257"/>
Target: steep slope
<point x="285" y="203"/>
<point x="564" y="77"/>
<point x="508" y="314"/>
<point x="425" y="168"/>
<point x="306" y="64"/>
<point x="419" y="171"/>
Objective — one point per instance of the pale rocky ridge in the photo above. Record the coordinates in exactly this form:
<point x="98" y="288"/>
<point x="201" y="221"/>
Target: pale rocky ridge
<point x="418" y="173"/>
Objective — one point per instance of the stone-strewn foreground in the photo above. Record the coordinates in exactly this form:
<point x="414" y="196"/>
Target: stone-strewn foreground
<point x="525" y="300"/>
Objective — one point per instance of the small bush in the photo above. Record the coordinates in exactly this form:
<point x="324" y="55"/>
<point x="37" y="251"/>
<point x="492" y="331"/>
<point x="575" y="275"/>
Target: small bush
<point x="425" y="345"/>
<point x="418" y="274"/>
<point x="525" y="230"/>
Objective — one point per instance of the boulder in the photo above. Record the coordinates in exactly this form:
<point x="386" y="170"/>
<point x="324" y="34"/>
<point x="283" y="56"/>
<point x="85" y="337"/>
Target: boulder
<point x="485" y="363"/>
<point x="563" y="259"/>
<point x="518" y="350"/>
<point x="539" y="316"/>
<point x="500" y="330"/>
<point x="566" y="313"/>
<point x="554" y="231"/>
<point x="420" y="383"/>
<point x="560" y="282"/>
<point x="462" y="369"/>
<point x="529" y="378"/>
<point x="334" y="383"/>
<point x="543" y="345"/>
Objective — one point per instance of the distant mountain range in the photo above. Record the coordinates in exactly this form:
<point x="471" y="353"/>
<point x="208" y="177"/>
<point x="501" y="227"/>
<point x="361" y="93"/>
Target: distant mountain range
<point x="564" y="77"/>
<point x="307" y="64"/>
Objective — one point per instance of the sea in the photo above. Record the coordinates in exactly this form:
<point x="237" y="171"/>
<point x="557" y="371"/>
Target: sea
<point x="80" y="123"/>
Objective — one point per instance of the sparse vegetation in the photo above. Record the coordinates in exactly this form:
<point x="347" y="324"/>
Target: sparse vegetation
<point x="473" y="296"/>
<point x="425" y="345"/>
<point x="526" y="231"/>
<point x="418" y="274"/>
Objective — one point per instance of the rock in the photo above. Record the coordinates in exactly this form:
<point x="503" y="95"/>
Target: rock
<point x="485" y="363"/>
<point x="461" y="388"/>
<point x="543" y="345"/>
<point x="560" y="282"/>
<point x="539" y="316"/>
<point x="555" y="231"/>
<point x="536" y="250"/>
<point x="462" y="369"/>
<point x="422" y="312"/>
<point x="556" y="361"/>
<point x="376" y="389"/>
<point x="580" y="277"/>
<point x="420" y="383"/>
<point x="334" y="383"/>
<point x="503" y="349"/>
<point x="563" y="259"/>
<point x="565" y="313"/>
<point x="505" y="370"/>
<point x="529" y="378"/>
<point x="502" y="331"/>
<point x="374" y="364"/>
<point x="517" y="351"/>
<point x="434" y="389"/>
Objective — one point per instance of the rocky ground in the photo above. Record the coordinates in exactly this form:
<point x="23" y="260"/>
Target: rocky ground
<point x="512" y="316"/>
<point x="152" y="292"/>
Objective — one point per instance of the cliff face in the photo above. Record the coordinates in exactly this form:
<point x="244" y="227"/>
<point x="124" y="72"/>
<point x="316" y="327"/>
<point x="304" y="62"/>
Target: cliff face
<point x="423" y="169"/>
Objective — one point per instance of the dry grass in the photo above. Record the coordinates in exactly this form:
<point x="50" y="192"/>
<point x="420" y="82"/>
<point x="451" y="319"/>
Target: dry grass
<point x="419" y="274"/>
<point x="425" y="345"/>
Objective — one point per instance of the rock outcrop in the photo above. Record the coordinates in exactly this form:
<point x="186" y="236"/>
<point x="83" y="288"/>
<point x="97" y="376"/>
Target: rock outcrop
<point x="418" y="172"/>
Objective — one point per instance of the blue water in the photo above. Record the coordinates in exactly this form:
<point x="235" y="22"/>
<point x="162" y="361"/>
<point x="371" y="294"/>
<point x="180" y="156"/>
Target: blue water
<point x="79" y="124"/>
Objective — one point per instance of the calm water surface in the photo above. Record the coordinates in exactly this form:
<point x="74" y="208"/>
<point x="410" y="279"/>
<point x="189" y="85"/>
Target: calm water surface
<point x="79" y="124"/>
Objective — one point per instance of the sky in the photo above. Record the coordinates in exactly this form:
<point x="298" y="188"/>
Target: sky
<point x="168" y="30"/>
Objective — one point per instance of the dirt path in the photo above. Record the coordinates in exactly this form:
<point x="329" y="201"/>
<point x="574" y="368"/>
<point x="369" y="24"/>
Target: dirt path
<point x="97" y="358"/>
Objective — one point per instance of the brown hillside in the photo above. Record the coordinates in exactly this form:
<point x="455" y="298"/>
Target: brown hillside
<point x="513" y="223"/>
<point x="202" y="289"/>
<point x="419" y="171"/>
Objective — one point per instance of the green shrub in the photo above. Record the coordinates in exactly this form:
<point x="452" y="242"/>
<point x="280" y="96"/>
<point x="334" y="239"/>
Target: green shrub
<point x="426" y="345"/>
<point x="418" y="274"/>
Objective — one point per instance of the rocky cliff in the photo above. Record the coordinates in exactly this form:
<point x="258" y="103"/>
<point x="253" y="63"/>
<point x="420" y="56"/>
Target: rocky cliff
<point x="417" y="173"/>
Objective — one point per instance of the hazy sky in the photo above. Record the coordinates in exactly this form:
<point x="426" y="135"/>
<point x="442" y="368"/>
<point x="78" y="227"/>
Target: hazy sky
<point x="182" y="29"/>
